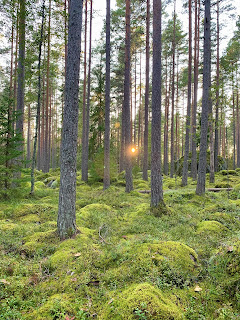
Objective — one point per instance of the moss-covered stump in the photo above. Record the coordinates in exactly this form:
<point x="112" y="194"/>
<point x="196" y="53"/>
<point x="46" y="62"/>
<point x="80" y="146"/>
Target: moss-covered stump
<point x="141" y="302"/>
<point x="211" y="228"/>
<point x="169" y="262"/>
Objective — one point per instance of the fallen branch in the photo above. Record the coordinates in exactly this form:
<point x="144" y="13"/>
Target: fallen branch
<point x="99" y="232"/>
<point x="219" y="189"/>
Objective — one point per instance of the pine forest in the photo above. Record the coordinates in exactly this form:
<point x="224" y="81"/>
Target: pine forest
<point x="119" y="159"/>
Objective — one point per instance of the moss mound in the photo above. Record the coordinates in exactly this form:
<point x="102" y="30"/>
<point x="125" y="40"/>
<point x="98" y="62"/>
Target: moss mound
<point x="172" y="262"/>
<point x="94" y="215"/>
<point x="211" y="227"/>
<point x="224" y="268"/>
<point x="57" y="307"/>
<point x="141" y="302"/>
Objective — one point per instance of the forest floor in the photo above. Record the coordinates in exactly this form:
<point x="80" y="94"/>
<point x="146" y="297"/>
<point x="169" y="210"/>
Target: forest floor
<point x="125" y="263"/>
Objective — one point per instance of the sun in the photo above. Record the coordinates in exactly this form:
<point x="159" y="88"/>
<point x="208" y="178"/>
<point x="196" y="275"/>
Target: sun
<point x="133" y="150"/>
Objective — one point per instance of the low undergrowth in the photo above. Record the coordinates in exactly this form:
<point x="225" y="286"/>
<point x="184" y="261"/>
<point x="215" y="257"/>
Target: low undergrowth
<point x="125" y="263"/>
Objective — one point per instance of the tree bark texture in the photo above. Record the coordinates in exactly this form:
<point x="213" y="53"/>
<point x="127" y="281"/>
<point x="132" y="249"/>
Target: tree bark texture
<point x="156" y="174"/>
<point x="201" y="181"/>
<point x="128" y="156"/>
<point x="67" y="192"/>
<point x="186" y="151"/>
<point x="145" y="157"/>
<point x="106" y="180"/>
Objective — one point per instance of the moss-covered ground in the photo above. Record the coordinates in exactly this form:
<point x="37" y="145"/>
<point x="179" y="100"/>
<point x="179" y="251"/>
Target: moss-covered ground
<point x="125" y="263"/>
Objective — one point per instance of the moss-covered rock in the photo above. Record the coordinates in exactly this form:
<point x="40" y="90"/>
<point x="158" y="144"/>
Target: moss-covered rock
<point x="141" y="301"/>
<point x="212" y="228"/>
<point x="228" y="172"/>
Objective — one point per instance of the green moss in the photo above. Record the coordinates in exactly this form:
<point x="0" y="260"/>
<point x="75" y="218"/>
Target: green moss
<point x="40" y="242"/>
<point x="230" y="172"/>
<point x="229" y="220"/>
<point x="30" y="218"/>
<point x="174" y="262"/>
<point x="211" y="227"/>
<point x="223" y="185"/>
<point x="56" y="307"/>
<point x="141" y="302"/>
<point x="39" y="184"/>
<point x="7" y="226"/>
<point x="94" y="215"/>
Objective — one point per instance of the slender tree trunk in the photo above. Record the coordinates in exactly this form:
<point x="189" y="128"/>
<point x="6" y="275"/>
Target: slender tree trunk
<point x="106" y="179"/>
<point x="86" y="135"/>
<point x="21" y="85"/>
<point x="156" y="172"/>
<point x="166" y="123"/>
<point x="10" y="127"/>
<point x="211" y="144"/>
<point x="84" y="173"/>
<point x="234" y="125"/>
<point x="135" y="100"/>
<point x="29" y="137"/>
<point x="206" y="100"/>
<point x="186" y="151"/>
<point x="216" y="142"/>
<point x="128" y="156"/>
<point x="37" y="125"/>
<point x="194" y="114"/>
<point x="238" y="132"/>
<point x="140" y="111"/>
<point x="145" y="158"/>
<point x="46" y="160"/>
<point x="173" y="91"/>
<point x="67" y="193"/>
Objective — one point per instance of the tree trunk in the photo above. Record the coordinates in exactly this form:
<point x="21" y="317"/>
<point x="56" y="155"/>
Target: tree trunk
<point x="194" y="113"/>
<point x="206" y="100"/>
<point x="46" y="159"/>
<point x="106" y="180"/>
<point x="156" y="172"/>
<point x="128" y="156"/>
<point x="67" y="193"/>
<point x="145" y="158"/>
<point x="84" y="173"/>
<point x="37" y="125"/>
<point x="21" y="86"/>
<point x="85" y="150"/>
<point x="186" y="151"/>
<point x="173" y="91"/>
<point x="216" y="144"/>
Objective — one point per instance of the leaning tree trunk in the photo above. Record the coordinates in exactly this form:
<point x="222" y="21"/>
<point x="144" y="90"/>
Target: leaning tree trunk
<point x="206" y="100"/>
<point x="156" y="172"/>
<point x="145" y="157"/>
<point x="68" y="163"/>
<point x="106" y="179"/>
<point x="186" y="152"/>
<point x="128" y="158"/>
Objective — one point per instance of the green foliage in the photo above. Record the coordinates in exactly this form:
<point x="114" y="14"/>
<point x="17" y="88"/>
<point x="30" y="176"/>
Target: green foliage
<point x="97" y="167"/>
